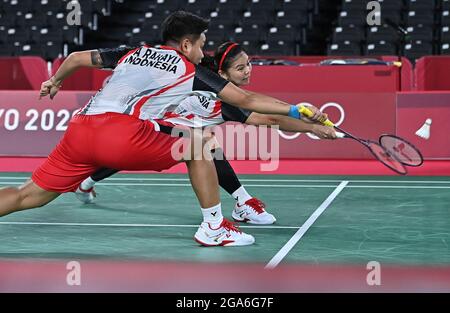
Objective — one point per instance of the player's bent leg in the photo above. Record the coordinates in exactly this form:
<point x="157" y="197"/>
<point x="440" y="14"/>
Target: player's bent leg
<point x="27" y="196"/>
<point x="247" y="209"/>
<point x="214" y="230"/>
<point x="202" y="172"/>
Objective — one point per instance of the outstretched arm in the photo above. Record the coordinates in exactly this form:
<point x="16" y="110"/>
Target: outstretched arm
<point x="75" y="60"/>
<point x="252" y="101"/>
<point x="289" y="124"/>
<point x="260" y="103"/>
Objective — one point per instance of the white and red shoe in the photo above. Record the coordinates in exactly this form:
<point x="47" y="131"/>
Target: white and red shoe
<point x="226" y="234"/>
<point x="253" y="212"/>
<point x="85" y="196"/>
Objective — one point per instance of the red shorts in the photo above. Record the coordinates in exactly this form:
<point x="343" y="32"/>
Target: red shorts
<point x="110" y="140"/>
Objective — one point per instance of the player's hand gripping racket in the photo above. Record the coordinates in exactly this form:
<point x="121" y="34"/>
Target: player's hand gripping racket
<point x="393" y="151"/>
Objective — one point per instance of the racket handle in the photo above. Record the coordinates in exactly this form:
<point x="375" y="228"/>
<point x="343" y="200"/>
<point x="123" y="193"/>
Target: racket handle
<point x="308" y="113"/>
<point x="340" y="135"/>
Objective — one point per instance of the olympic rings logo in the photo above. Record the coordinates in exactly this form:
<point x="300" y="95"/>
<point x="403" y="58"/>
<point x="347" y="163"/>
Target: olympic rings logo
<point x="325" y="106"/>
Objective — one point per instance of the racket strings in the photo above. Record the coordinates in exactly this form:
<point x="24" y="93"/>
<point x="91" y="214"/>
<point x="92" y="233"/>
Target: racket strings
<point x="385" y="157"/>
<point x="405" y="152"/>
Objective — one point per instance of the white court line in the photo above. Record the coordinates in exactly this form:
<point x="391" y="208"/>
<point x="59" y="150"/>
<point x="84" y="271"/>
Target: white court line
<point x="130" y="225"/>
<point x="261" y="185"/>
<point x="304" y="228"/>
<point x="270" y="180"/>
<point x="189" y="185"/>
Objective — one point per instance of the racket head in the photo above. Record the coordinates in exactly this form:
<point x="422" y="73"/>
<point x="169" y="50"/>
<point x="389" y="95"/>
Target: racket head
<point x="403" y="150"/>
<point x="389" y="160"/>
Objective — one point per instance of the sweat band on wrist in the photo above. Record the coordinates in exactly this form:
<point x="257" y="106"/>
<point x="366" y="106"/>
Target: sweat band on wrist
<point x="293" y="112"/>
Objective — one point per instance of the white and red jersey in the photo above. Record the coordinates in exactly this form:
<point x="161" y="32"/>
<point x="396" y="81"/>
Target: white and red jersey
<point x="196" y="111"/>
<point x="200" y="110"/>
<point x="148" y="82"/>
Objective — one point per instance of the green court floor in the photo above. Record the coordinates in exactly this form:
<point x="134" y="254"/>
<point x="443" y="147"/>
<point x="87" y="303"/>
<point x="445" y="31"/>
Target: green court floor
<point x="394" y="220"/>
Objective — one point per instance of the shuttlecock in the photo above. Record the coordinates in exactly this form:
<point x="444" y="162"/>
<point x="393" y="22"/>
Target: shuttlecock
<point x="424" y="131"/>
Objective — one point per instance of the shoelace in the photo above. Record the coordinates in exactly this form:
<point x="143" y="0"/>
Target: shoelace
<point x="230" y="226"/>
<point x="257" y="205"/>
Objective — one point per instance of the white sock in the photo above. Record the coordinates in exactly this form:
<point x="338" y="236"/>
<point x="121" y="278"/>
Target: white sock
<point x="88" y="183"/>
<point x="241" y="195"/>
<point x="213" y="215"/>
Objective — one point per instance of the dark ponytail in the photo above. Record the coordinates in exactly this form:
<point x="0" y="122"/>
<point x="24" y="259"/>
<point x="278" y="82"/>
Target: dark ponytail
<point x="209" y="62"/>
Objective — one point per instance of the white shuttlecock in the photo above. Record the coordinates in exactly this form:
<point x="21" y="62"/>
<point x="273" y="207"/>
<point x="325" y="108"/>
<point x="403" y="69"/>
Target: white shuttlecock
<point x="425" y="130"/>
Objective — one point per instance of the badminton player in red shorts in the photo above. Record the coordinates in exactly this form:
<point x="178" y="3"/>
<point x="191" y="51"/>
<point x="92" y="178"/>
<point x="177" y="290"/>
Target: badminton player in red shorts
<point x="113" y="129"/>
<point x="232" y="63"/>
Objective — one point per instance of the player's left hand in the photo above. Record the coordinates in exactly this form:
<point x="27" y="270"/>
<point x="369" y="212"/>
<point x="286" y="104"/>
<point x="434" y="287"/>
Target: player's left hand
<point x="324" y="132"/>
